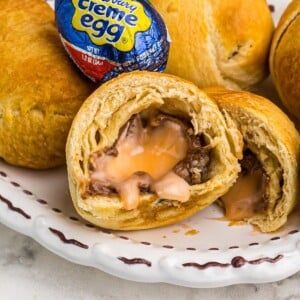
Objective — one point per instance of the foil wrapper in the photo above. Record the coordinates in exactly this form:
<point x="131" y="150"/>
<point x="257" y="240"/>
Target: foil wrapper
<point x="108" y="37"/>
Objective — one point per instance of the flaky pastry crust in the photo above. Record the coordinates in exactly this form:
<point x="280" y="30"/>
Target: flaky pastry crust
<point x="273" y="138"/>
<point x="217" y="42"/>
<point x="40" y="88"/>
<point x="97" y="126"/>
<point x="285" y="58"/>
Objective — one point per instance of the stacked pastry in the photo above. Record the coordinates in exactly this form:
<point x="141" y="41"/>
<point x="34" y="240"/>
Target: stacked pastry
<point x="149" y="149"/>
<point x="285" y="58"/>
<point x="218" y="42"/>
<point x="40" y="89"/>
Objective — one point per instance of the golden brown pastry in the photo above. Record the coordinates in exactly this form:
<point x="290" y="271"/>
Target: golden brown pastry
<point x="40" y="89"/>
<point x="285" y="58"/>
<point x="267" y="187"/>
<point x="217" y="42"/>
<point x="149" y="149"/>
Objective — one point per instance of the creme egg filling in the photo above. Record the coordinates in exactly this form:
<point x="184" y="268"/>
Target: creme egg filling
<point x="144" y="158"/>
<point x="246" y="197"/>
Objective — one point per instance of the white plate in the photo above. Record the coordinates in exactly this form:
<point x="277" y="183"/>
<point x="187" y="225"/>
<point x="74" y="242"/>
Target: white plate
<point x="203" y="251"/>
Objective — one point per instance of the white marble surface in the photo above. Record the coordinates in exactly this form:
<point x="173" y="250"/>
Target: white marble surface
<point x="28" y="271"/>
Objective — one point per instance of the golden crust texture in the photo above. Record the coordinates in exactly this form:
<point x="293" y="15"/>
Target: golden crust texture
<point x="40" y="89"/>
<point x="285" y="58"/>
<point x="272" y="137"/>
<point x="97" y="126"/>
<point x="216" y="42"/>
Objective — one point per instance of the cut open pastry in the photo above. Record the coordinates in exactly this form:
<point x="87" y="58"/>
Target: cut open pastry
<point x="267" y="186"/>
<point x="149" y="149"/>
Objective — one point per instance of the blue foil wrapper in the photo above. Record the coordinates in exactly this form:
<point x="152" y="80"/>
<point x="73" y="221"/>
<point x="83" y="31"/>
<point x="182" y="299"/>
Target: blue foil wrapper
<point x="108" y="37"/>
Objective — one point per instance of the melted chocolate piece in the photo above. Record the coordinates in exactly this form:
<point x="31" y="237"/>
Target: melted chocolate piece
<point x="144" y="188"/>
<point x="97" y="188"/>
<point x="144" y="185"/>
<point x="135" y="261"/>
<point x="249" y="164"/>
<point x="14" y="208"/>
<point x="67" y="241"/>
<point x="112" y="151"/>
<point x="194" y="168"/>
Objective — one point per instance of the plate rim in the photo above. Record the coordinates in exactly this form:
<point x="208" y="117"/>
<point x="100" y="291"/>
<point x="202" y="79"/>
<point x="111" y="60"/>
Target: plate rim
<point x="22" y="210"/>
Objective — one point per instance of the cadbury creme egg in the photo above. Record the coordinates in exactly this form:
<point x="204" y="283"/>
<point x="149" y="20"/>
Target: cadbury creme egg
<point x="108" y="37"/>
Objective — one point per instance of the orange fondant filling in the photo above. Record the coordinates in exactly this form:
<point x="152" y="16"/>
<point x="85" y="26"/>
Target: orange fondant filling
<point x="146" y="157"/>
<point x="242" y="198"/>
